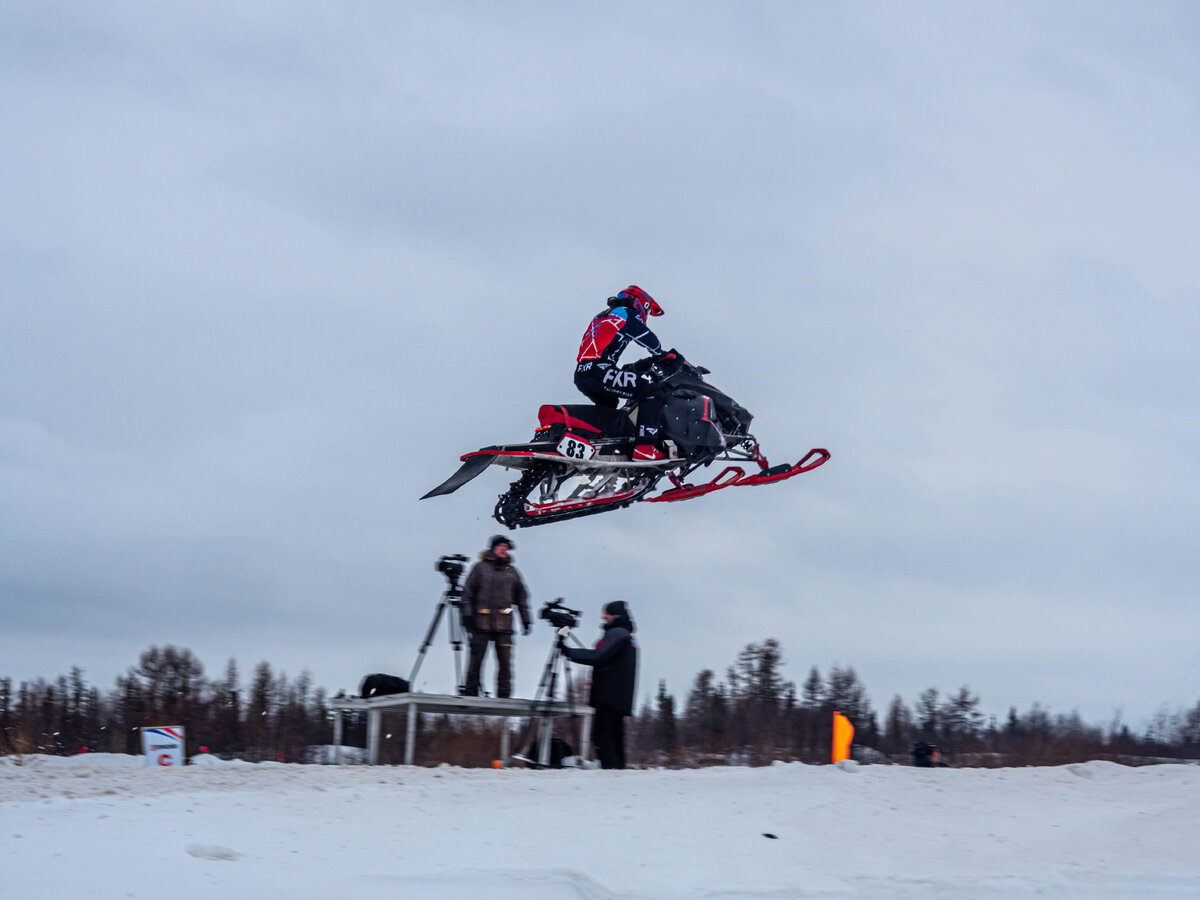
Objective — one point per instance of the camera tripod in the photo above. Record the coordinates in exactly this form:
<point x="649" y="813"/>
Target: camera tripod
<point x="556" y="664"/>
<point x="451" y="598"/>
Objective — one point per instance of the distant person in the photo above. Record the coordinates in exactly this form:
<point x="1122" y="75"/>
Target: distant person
<point x="927" y="756"/>
<point x="614" y="661"/>
<point x="492" y="591"/>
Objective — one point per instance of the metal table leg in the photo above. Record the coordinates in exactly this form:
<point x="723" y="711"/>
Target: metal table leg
<point x="410" y="736"/>
<point x="586" y="738"/>
<point x="544" y="732"/>
<point x="337" y="736"/>
<point x="374" y="725"/>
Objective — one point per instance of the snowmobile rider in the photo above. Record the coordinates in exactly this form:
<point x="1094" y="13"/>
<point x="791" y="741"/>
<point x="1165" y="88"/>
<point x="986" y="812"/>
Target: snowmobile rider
<point x="614" y="659"/>
<point x="597" y="374"/>
<point x="493" y="587"/>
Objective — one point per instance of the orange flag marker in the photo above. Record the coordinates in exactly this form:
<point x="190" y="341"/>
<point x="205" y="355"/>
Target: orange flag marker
<point x="843" y="734"/>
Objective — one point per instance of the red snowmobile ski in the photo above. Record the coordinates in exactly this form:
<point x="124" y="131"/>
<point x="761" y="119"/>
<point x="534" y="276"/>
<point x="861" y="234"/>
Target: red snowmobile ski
<point x="586" y="459"/>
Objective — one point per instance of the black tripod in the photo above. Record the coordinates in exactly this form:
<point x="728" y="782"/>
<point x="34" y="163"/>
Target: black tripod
<point x="452" y="568"/>
<point x="545" y="696"/>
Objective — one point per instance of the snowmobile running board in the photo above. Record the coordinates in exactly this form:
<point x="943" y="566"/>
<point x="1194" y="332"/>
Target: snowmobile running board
<point x="499" y="456"/>
<point x="475" y="462"/>
<point x="735" y="476"/>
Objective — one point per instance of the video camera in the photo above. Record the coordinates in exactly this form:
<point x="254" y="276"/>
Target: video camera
<point x="558" y="615"/>
<point x="451" y="566"/>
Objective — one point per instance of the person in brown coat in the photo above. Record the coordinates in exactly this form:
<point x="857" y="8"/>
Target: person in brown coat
<point x="492" y="590"/>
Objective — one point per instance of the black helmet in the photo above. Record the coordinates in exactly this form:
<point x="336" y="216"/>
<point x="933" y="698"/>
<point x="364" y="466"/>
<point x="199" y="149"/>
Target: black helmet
<point x="500" y="539"/>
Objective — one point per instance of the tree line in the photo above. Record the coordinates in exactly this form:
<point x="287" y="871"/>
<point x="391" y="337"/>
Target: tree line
<point x="274" y="718"/>
<point x="751" y="716"/>
<point x="755" y="716"/>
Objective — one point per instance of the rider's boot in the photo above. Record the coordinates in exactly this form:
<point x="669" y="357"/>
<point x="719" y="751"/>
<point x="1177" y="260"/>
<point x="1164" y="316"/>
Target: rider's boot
<point x="647" y="453"/>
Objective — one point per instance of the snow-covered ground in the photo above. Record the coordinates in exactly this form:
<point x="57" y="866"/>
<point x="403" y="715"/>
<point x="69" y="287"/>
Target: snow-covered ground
<point x="108" y="827"/>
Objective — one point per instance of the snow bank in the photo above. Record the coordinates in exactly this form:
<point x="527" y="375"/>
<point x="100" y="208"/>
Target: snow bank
<point x="1095" y="830"/>
<point x="81" y="760"/>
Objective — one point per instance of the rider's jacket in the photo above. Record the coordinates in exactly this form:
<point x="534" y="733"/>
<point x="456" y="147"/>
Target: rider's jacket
<point x="611" y="331"/>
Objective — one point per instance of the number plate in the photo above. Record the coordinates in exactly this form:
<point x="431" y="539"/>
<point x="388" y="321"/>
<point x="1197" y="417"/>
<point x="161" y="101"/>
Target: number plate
<point x="574" y="447"/>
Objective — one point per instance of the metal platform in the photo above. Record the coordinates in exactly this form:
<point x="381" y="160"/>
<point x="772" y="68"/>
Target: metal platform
<point x="543" y="710"/>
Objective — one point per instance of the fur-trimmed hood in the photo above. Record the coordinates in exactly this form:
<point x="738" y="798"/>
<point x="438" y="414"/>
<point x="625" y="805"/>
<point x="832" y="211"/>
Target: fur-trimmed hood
<point x="489" y="556"/>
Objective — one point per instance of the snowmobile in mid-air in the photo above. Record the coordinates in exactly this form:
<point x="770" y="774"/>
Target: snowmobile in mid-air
<point x="586" y="459"/>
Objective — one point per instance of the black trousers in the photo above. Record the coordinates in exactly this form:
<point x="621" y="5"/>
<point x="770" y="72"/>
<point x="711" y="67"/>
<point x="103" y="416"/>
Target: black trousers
<point x="606" y="384"/>
<point x="589" y="378"/>
<point x="608" y="734"/>
<point x="479" y="645"/>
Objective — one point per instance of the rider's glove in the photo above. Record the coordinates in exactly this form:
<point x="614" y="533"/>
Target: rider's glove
<point x="526" y="628"/>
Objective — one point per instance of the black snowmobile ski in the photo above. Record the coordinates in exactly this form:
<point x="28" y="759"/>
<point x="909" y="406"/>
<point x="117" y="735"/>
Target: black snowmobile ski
<point x="474" y="465"/>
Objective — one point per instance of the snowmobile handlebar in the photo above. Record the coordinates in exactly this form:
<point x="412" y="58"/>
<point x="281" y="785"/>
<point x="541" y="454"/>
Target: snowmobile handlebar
<point x="675" y="354"/>
<point x="664" y="365"/>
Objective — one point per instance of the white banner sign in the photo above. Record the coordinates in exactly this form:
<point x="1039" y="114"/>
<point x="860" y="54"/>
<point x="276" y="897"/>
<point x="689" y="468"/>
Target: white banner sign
<point x="163" y="746"/>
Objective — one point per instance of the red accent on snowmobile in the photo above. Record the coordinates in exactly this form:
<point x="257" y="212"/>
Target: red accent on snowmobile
<point x="497" y="452"/>
<point x="767" y="476"/>
<point x="554" y="415"/>
<point x="550" y="455"/>
<point x="687" y="491"/>
<point x="561" y="506"/>
<point x="739" y="478"/>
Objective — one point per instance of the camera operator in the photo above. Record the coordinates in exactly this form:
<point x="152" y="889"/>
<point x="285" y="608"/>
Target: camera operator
<point x="492" y="589"/>
<point x="614" y="660"/>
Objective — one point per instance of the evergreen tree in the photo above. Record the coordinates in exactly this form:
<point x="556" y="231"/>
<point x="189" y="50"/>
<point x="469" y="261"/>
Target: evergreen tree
<point x="758" y="692"/>
<point x="259" y="713"/>
<point x="898" y="726"/>
<point x="812" y="694"/>
<point x="667" y="734"/>
<point x="7" y="716"/>
<point x="705" y="715"/>
<point x="961" y="721"/>
<point x="227" y="712"/>
<point x="928" y="715"/>
<point x="847" y="695"/>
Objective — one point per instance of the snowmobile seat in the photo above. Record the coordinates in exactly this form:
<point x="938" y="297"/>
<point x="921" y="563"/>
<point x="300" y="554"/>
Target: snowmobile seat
<point x="586" y="418"/>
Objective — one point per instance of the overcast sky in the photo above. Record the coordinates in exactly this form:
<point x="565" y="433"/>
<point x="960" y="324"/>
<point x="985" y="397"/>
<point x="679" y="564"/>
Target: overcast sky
<point x="267" y="270"/>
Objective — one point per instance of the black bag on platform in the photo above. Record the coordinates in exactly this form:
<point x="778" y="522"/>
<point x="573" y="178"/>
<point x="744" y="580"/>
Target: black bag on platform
<point x="381" y="685"/>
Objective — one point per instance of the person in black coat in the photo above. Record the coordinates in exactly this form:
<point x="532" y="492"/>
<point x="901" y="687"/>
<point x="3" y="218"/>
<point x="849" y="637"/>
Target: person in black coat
<point x="614" y="682"/>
